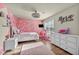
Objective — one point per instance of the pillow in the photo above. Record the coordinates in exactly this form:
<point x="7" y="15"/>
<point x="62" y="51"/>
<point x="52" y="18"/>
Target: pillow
<point x="42" y="33"/>
<point x="64" y="31"/>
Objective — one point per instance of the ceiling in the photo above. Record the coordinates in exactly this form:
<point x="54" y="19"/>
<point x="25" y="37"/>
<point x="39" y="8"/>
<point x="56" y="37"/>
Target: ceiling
<point x="25" y="10"/>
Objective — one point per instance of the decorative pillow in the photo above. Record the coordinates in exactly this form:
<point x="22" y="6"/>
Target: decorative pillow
<point x="42" y="33"/>
<point x="64" y="31"/>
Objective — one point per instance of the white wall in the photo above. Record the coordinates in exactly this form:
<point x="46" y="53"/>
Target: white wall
<point x="73" y="25"/>
<point x="3" y="30"/>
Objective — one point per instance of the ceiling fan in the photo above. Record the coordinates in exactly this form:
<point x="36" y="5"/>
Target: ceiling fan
<point x="35" y="14"/>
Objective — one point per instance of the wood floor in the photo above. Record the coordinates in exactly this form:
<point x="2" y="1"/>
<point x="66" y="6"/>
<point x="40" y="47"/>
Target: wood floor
<point x="59" y="51"/>
<point x="55" y="49"/>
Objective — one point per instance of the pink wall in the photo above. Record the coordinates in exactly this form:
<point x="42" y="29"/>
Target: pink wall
<point x="26" y="25"/>
<point x="2" y="5"/>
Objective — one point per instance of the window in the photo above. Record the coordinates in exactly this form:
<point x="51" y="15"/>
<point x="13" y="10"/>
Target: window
<point x="49" y="25"/>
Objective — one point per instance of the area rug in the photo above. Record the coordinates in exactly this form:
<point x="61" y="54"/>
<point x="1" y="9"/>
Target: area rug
<point x="36" y="49"/>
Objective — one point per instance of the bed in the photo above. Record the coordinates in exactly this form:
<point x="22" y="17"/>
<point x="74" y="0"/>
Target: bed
<point x="27" y="36"/>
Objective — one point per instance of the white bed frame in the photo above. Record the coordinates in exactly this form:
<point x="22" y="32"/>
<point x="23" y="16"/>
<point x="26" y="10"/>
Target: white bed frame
<point x="27" y="36"/>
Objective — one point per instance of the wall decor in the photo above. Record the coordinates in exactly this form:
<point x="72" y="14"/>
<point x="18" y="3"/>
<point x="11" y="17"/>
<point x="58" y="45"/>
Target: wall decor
<point x="66" y="18"/>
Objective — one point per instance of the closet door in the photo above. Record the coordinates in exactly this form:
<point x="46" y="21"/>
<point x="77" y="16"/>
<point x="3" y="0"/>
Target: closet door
<point x="63" y="42"/>
<point x="72" y="44"/>
<point x="55" y="39"/>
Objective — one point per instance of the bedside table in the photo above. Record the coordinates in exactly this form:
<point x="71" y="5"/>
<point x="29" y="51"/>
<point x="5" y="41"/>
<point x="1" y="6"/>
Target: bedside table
<point x="10" y="44"/>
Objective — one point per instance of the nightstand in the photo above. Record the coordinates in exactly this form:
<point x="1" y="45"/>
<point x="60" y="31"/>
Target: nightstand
<point x="10" y="44"/>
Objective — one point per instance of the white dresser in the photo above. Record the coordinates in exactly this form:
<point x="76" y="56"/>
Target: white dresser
<point x="4" y="29"/>
<point x="67" y="42"/>
<point x="10" y="44"/>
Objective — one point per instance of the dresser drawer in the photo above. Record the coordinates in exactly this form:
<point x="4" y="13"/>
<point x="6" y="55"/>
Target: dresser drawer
<point x="72" y="51"/>
<point x="63" y="46"/>
<point x="57" y="36"/>
<point x="72" y="45"/>
<point x="55" y="39"/>
<point x="55" y="42"/>
<point x="63" y="41"/>
<point x="63" y="37"/>
<point x="72" y="39"/>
